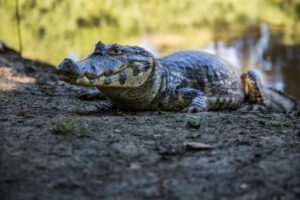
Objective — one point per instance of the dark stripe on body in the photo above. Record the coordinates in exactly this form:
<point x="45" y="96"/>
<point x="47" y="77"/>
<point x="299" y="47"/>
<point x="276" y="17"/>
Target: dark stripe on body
<point x="107" y="81"/>
<point x="135" y="71"/>
<point x="122" y="78"/>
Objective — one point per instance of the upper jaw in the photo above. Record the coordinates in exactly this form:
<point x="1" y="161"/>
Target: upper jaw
<point x="107" y="73"/>
<point x="69" y="71"/>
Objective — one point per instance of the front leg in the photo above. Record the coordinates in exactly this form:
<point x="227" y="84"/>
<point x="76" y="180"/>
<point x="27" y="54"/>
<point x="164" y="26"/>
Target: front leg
<point x="193" y="100"/>
<point x="91" y="95"/>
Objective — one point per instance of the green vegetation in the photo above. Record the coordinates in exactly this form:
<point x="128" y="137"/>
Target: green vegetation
<point x="66" y="127"/>
<point x="54" y="28"/>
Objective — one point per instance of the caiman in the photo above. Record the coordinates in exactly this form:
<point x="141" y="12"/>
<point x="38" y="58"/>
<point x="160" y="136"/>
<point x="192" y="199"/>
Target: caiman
<point x="131" y="78"/>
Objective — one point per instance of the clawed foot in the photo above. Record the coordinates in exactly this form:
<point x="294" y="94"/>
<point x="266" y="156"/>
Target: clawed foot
<point x="90" y="95"/>
<point x="193" y="109"/>
<point x="253" y="107"/>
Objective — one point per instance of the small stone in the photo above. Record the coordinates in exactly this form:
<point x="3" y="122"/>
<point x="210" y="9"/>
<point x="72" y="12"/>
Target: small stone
<point x="135" y="166"/>
<point x="198" y="146"/>
<point x="193" y="123"/>
<point x="118" y="131"/>
<point x="244" y="186"/>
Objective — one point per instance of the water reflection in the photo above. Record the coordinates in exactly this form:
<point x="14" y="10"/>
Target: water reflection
<point x="247" y="53"/>
<point x="259" y="54"/>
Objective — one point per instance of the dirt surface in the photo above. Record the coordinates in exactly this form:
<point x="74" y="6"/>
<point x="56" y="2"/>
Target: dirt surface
<point x="55" y="146"/>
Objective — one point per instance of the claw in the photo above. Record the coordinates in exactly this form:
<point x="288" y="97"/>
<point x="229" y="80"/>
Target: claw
<point x="193" y="109"/>
<point x="90" y="95"/>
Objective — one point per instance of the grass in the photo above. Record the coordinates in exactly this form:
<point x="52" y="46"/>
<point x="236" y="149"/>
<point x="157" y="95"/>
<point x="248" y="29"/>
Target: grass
<point x="65" y="127"/>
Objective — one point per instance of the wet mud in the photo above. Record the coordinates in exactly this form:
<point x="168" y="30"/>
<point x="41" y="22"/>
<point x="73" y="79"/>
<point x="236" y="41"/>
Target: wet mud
<point x="55" y="146"/>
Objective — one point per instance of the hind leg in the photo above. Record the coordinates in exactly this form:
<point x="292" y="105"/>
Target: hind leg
<point x="253" y="93"/>
<point x="252" y="87"/>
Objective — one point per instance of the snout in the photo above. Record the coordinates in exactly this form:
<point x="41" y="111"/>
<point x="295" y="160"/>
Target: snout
<point x="69" y="68"/>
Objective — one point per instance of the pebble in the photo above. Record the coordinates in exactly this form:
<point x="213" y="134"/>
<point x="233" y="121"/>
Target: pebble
<point x="193" y="123"/>
<point x="198" y="146"/>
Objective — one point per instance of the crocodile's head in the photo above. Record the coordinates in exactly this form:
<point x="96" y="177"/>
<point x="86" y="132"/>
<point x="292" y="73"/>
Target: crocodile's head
<point x="109" y="66"/>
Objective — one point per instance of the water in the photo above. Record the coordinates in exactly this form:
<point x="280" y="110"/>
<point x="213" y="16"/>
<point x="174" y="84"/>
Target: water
<point x="248" y="53"/>
<point x="278" y="65"/>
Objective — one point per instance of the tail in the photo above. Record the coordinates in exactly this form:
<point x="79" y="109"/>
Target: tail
<point x="278" y="101"/>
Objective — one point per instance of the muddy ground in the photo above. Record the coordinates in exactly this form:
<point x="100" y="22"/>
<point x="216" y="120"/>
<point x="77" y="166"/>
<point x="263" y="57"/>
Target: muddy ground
<point x="55" y="146"/>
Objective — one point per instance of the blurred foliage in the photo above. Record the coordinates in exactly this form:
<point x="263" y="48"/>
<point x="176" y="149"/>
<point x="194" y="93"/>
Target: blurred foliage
<point x="54" y="28"/>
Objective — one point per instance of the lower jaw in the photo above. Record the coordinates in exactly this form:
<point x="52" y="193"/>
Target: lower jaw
<point x="68" y="79"/>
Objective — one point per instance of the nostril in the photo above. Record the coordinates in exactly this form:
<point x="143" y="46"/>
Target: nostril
<point x="67" y="61"/>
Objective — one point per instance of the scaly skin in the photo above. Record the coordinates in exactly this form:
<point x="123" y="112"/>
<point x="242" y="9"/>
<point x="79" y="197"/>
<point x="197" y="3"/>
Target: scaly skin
<point x="198" y="81"/>
<point x="190" y="81"/>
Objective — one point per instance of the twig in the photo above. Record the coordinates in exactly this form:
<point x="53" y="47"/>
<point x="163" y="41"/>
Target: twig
<point x="19" y="27"/>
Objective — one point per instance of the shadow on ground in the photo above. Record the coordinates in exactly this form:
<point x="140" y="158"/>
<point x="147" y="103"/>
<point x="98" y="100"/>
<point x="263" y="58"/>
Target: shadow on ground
<point x="55" y="146"/>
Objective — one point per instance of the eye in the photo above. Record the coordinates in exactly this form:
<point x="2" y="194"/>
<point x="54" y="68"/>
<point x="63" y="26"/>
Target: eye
<point x="115" y="50"/>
